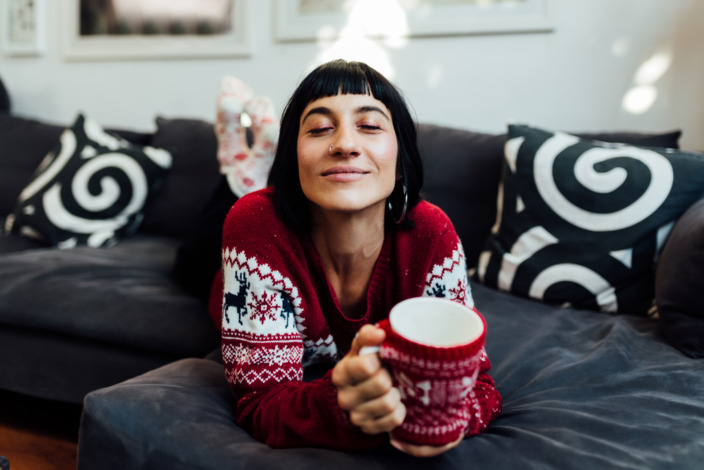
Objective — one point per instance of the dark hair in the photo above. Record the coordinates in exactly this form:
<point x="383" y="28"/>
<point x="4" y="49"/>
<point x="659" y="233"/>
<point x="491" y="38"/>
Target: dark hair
<point x="329" y="79"/>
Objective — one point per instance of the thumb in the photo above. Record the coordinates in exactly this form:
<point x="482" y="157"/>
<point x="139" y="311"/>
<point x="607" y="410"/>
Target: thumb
<point x="368" y="335"/>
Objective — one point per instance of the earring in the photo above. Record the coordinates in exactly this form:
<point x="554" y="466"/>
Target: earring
<point x="330" y="149"/>
<point x="405" y="206"/>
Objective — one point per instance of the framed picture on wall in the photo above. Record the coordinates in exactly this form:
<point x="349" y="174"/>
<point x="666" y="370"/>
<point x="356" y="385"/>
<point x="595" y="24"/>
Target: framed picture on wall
<point x="22" y="26"/>
<point x="305" y="20"/>
<point x="149" y="29"/>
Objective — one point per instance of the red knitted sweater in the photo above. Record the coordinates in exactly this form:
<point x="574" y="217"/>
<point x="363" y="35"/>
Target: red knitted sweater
<point x="280" y="314"/>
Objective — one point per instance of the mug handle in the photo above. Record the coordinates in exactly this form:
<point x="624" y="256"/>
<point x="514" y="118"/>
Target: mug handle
<point x="369" y="350"/>
<point x="384" y="325"/>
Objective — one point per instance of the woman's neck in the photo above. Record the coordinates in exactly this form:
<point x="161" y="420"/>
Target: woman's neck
<point x="349" y="247"/>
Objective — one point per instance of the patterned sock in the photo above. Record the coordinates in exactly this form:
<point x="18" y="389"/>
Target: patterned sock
<point x="246" y="168"/>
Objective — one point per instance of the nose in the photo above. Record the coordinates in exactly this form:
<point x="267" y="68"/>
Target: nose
<point x="345" y="143"/>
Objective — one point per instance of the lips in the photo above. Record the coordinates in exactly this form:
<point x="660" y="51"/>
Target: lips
<point x="344" y="170"/>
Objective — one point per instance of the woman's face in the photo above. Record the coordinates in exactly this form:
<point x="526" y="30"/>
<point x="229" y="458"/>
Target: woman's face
<point x="359" y="173"/>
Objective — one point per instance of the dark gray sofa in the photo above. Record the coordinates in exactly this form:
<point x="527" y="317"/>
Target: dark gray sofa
<point x="581" y="389"/>
<point x="113" y="329"/>
<point x="77" y="320"/>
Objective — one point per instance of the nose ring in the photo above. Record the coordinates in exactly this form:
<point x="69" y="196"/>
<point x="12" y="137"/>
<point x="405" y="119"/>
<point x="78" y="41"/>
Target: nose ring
<point x="330" y="149"/>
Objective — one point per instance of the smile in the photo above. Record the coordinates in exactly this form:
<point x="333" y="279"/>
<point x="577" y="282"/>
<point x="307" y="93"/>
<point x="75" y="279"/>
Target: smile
<point x="344" y="173"/>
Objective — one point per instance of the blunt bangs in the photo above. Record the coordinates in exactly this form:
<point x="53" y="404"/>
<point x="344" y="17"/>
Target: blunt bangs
<point x="347" y="78"/>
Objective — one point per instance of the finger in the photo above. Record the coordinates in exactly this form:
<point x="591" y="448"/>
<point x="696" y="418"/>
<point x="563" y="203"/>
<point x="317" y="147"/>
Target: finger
<point x="352" y="397"/>
<point x="353" y="370"/>
<point x="391" y="418"/>
<point x="382" y="414"/>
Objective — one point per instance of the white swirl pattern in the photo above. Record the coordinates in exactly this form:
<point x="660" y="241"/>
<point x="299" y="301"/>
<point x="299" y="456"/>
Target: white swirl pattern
<point x="578" y="274"/>
<point x="110" y="189"/>
<point x="68" y="147"/>
<point x="660" y="184"/>
<point x="65" y="206"/>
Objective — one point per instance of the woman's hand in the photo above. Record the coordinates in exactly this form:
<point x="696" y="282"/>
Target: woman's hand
<point x="364" y="387"/>
<point x="366" y="392"/>
<point x="424" y="451"/>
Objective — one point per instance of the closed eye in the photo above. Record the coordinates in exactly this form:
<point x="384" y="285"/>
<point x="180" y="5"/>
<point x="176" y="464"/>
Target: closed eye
<point x="319" y="130"/>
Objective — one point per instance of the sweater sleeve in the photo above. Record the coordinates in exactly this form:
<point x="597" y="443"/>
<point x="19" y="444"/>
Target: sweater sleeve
<point x="263" y="349"/>
<point x="448" y="278"/>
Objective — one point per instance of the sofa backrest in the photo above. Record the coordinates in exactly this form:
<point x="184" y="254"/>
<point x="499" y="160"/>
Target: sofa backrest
<point x="462" y="170"/>
<point x="4" y="99"/>
<point x="191" y="181"/>
<point x="23" y="145"/>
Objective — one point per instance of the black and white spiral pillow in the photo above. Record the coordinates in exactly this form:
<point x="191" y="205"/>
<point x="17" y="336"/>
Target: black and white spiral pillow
<point x="581" y="222"/>
<point x="90" y="190"/>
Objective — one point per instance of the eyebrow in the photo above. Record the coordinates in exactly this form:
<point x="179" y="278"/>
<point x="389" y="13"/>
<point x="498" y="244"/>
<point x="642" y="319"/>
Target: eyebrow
<point x="360" y="110"/>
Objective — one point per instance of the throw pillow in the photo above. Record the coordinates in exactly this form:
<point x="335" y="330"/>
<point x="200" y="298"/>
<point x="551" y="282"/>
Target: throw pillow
<point x="581" y="222"/>
<point x="90" y="189"/>
<point x="462" y="170"/>
<point x="679" y="283"/>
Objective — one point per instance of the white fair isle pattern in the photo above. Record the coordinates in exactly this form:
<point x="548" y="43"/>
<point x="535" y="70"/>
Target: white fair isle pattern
<point x="441" y="368"/>
<point x="265" y="303"/>
<point x="247" y="353"/>
<point x="253" y="377"/>
<point x="320" y="350"/>
<point x="257" y="298"/>
<point x="449" y="279"/>
<point x="254" y="360"/>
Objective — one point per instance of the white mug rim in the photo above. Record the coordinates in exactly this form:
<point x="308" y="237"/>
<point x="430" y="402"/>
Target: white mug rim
<point x="475" y="322"/>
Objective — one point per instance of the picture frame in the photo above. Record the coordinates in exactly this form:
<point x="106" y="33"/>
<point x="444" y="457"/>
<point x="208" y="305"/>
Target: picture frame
<point x="22" y="27"/>
<point x="236" y="42"/>
<point x="308" y="20"/>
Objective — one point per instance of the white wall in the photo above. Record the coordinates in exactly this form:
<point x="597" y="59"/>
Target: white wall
<point x="574" y="78"/>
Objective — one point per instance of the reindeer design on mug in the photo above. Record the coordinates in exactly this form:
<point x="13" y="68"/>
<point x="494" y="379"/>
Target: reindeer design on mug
<point x="239" y="300"/>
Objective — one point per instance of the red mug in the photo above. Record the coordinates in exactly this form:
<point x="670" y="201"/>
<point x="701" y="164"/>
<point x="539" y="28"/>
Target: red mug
<point x="433" y="348"/>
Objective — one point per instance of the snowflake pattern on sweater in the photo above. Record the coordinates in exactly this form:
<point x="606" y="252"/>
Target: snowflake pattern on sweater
<point x="263" y="329"/>
<point x="449" y="279"/>
<point x="280" y="315"/>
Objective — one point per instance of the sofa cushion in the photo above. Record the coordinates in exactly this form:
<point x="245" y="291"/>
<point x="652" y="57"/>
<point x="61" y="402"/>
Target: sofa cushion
<point x="90" y="189"/>
<point x="191" y="181"/>
<point x="123" y="296"/>
<point x="12" y="243"/>
<point x="679" y="283"/>
<point x="582" y="221"/>
<point x="587" y="404"/>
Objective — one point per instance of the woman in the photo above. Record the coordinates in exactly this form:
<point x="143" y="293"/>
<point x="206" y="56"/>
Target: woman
<point x="313" y="261"/>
